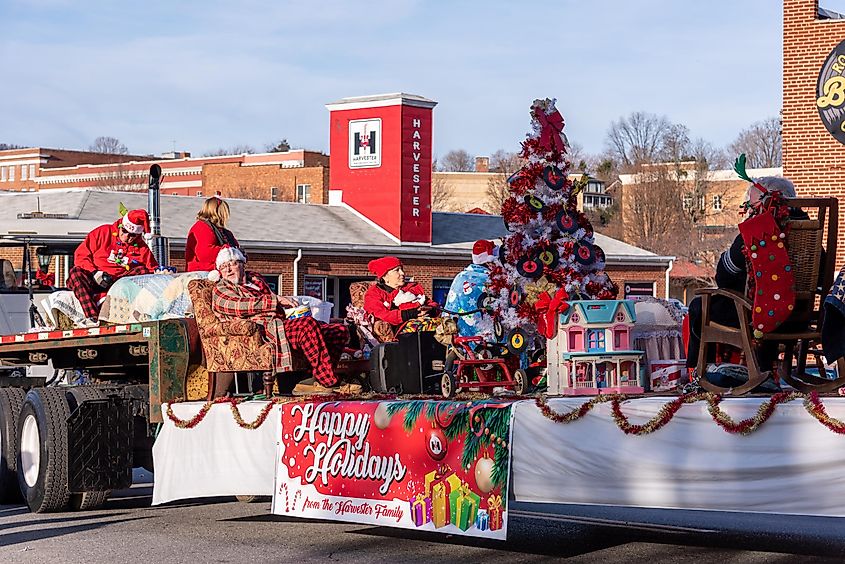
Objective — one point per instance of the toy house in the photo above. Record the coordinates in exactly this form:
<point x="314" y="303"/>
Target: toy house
<point x="591" y="352"/>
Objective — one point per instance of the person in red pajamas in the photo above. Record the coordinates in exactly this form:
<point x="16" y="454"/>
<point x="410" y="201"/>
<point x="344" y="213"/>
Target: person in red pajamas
<point x="208" y="235"/>
<point x="239" y="293"/>
<point x="108" y="253"/>
<point x="394" y="299"/>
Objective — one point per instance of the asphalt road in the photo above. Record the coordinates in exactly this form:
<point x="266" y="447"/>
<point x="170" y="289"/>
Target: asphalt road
<point x="128" y="530"/>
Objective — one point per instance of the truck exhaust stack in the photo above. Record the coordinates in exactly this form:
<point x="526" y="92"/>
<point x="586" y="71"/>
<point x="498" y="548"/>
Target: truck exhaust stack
<point x="158" y="244"/>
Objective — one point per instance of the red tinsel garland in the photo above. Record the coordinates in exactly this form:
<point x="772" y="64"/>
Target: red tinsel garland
<point x="812" y="404"/>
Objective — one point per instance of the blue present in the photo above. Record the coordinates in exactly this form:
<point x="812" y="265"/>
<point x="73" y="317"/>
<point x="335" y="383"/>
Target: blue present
<point x="482" y="520"/>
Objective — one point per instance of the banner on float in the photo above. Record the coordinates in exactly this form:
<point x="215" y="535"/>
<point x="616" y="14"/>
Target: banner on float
<point x="418" y="464"/>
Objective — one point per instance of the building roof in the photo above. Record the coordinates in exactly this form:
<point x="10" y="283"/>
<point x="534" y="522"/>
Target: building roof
<point x="600" y="311"/>
<point x="261" y="224"/>
<point x="687" y="269"/>
<point x="377" y="100"/>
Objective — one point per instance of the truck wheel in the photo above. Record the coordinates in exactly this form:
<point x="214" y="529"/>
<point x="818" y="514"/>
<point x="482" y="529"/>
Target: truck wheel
<point x="42" y="450"/>
<point x="11" y="400"/>
<point x="85" y="501"/>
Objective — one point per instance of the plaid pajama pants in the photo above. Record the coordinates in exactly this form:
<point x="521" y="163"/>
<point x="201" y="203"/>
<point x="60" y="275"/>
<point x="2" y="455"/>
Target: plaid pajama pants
<point x="321" y="343"/>
<point x="88" y="292"/>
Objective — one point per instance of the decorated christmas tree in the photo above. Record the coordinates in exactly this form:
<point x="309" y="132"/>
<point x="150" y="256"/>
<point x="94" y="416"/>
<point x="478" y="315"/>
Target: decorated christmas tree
<point x="550" y="256"/>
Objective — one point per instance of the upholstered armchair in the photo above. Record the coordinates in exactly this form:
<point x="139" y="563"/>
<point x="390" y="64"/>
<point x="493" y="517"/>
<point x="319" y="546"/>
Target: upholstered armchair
<point x="232" y="346"/>
<point x="371" y="331"/>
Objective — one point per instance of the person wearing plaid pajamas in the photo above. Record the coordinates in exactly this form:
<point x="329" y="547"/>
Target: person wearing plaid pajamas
<point x="242" y="294"/>
<point x="110" y="252"/>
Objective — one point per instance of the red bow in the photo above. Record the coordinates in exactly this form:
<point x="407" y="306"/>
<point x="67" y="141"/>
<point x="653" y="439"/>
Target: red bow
<point x="549" y="307"/>
<point x="552" y="125"/>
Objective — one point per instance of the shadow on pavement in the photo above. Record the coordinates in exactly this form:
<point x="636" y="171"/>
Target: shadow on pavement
<point x="9" y="539"/>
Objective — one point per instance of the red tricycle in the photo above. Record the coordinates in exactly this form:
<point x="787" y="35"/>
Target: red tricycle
<point x="471" y="363"/>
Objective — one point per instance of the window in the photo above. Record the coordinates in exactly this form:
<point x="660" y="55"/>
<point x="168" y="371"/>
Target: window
<point x="11" y="174"/>
<point x="274" y="193"/>
<point x="199" y="193"/>
<point x="303" y="193"/>
<point x="31" y="171"/>
<point x="717" y="203"/>
<point x="702" y="203"/>
<point x="23" y="172"/>
<point x="687" y="201"/>
<point x="576" y="340"/>
<point x="595" y="340"/>
<point x="620" y="340"/>
<point x="2" y="174"/>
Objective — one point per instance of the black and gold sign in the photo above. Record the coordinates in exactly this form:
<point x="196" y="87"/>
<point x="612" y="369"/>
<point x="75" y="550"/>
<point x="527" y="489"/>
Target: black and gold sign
<point x="830" y="93"/>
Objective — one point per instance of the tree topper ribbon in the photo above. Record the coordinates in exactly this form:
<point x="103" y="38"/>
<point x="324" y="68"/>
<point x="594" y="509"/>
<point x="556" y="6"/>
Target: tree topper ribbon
<point x="552" y="127"/>
<point x="549" y="307"/>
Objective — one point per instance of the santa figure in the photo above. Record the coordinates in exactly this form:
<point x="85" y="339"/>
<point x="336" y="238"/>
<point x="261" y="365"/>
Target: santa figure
<point x="110" y="252"/>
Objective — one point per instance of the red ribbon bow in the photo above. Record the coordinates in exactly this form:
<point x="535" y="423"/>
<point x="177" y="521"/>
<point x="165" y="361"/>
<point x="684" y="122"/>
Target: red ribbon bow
<point x="549" y="307"/>
<point x="552" y="127"/>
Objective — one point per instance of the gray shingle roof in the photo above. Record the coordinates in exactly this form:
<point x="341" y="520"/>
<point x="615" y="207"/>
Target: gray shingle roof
<point x="262" y="224"/>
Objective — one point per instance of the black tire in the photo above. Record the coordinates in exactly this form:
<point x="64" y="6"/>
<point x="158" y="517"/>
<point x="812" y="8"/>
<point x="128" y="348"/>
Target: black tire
<point x="11" y="400"/>
<point x="42" y="450"/>
<point x="521" y="379"/>
<point x="85" y="501"/>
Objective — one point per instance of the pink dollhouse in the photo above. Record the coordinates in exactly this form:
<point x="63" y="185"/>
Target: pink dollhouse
<point x="591" y="352"/>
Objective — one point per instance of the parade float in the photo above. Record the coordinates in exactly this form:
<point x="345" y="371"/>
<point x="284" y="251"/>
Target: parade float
<point x="465" y="465"/>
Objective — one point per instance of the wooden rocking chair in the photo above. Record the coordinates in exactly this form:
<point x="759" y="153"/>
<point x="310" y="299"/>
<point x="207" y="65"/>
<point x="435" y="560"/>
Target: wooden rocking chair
<point x="808" y="242"/>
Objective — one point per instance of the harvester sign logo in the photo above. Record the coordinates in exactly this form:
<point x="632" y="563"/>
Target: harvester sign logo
<point x="365" y="143"/>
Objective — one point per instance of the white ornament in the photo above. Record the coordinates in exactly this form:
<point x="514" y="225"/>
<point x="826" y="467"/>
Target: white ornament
<point x="484" y="474"/>
<point x="381" y="417"/>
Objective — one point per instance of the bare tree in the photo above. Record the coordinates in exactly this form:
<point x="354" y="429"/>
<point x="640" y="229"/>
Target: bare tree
<point x="761" y="143"/>
<point x="457" y="160"/>
<point x="675" y="144"/>
<point x="235" y="150"/>
<point x="247" y="192"/>
<point x="109" y="146"/>
<point x="578" y="159"/>
<point x="281" y="147"/>
<point x="503" y="163"/>
<point x="637" y="138"/>
<point x="119" y="178"/>
<point x="442" y="195"/>
<point x="8" y="146"/>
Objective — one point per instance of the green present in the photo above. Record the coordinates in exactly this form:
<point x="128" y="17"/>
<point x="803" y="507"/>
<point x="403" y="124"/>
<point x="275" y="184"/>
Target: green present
<point x="463" y="505"/>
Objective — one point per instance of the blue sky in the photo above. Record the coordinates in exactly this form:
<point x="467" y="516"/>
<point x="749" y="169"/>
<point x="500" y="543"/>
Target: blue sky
<point x="215" y="74"/>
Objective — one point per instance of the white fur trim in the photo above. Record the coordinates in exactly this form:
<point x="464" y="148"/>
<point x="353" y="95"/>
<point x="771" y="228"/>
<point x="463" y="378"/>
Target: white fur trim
<point x="227" y="254"/>
<point x="214" y="275"/>
<point x="130" y="227"/>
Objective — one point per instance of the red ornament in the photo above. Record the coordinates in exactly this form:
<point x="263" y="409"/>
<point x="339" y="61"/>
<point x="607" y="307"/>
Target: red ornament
<point x="435" y="444"/>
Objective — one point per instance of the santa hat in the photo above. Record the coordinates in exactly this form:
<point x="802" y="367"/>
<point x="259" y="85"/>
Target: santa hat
<point x="383" y="265"/>
<point x="136" y="222"/>
<point x="226" y="254"/>
<point x="484" y="251"/>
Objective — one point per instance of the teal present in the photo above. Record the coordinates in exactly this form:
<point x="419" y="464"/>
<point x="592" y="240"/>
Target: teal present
<point x="482" y="520"/>
<point x="463" y="506"/>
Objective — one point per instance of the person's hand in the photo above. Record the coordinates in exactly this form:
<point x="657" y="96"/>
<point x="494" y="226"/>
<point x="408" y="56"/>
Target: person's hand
<point x="288" y="302"/>
<point x="102" y="279"/>
<point x="425" y="310"/>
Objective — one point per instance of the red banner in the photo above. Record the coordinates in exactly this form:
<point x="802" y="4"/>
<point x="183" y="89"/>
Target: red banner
<point x="419" y="464"/>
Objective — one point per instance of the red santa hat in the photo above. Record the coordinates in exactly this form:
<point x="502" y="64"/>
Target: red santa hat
<point x="226" y="254"/>
<point x="383" y="265"/>
<point x="484" y="251"/>
<point x="136" y="222"/>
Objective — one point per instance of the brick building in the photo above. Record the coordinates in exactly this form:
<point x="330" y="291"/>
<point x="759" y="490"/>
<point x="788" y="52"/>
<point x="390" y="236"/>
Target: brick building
<point x="305" y="249"/>
<point x="22" y="170"/>
<point x="292" y="176"/>
<point x="812" y="157"/>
